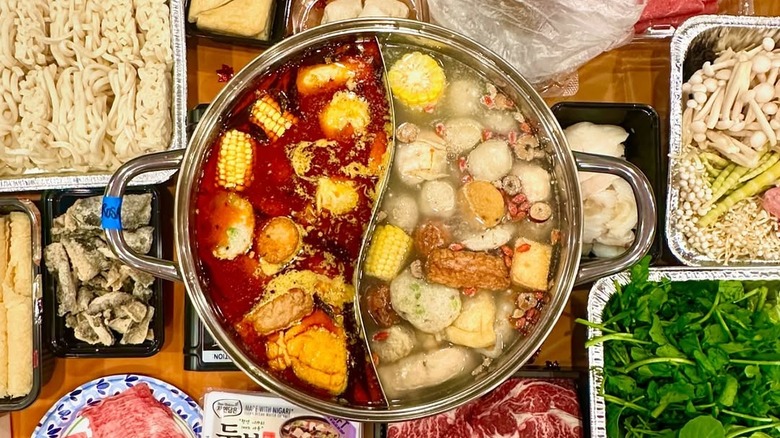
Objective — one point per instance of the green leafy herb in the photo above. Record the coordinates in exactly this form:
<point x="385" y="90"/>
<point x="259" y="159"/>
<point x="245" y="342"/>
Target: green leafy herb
<point x="693" y="359"/>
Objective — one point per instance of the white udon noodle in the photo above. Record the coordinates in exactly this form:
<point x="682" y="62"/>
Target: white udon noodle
<point x="85" y="85"/>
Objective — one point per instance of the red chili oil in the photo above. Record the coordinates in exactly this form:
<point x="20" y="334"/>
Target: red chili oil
<point x="276" y="190"/>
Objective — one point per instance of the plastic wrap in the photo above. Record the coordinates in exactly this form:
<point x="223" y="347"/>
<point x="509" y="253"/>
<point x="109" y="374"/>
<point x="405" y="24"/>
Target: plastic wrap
<point x="546" y="40"/>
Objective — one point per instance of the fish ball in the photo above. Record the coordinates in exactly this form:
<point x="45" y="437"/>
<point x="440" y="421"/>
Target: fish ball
<point x="490" y="160"/>
<point x="535" y="180"/>
<point x="463" y="97"/>
<point x="393" y="343"/>
<point x="500" y="121"/>
<point x="437" y="198"/>
<point x="463" y="134"/>
<point x="402" y="212"/>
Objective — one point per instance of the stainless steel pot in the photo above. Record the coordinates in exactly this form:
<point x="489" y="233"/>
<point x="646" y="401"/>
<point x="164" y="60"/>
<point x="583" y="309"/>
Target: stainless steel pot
<point x="566" y="273"/>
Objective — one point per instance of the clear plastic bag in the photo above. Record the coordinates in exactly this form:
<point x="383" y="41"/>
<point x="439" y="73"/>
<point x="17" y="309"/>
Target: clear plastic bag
<point x="546" y="40"/>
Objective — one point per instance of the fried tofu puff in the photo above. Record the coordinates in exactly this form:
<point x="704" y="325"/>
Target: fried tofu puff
<point x="234" y="221"/>
<point x="278" y="241"/>
<point x="315" y="349"/>
<point x="337" y="196"/>
<point x="347" y="114"/>
<point x="321" y="78"/>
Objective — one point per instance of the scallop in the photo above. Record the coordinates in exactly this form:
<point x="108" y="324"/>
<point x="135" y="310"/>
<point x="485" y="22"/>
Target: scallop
<point x="490" y="161"/>
<point x="438" y="199"/>
<point x="402" y="212"/>
<point x="462" y="134"/>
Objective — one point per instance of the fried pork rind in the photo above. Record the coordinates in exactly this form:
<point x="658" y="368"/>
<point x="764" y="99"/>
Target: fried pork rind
<point x="102" y="299"/>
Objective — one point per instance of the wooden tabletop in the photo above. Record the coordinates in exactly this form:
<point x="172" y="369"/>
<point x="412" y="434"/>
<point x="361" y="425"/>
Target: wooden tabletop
<point x="638" y="72"/>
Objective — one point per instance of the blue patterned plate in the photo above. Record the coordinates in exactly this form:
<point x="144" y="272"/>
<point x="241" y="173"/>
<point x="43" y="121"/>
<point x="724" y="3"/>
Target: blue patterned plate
<point x="63" y="417"/>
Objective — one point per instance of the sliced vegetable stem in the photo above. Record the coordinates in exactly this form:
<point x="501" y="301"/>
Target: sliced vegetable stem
<point x="621" y="402"/>
<point x="626" y="337"/>
<point x="715" y="159"/>
<point x="747" y="417"/>
<point x="721" y="178"/>
<point x="731" y="182"/>
<point x="751" y="188"/>
<point x="652" y="360"/>
<point x="765" y="163"/>
<point x="724" y="325"/>
<point x="748" y="430"/>
<point x="755" y="362"/>
<point x="711" y="170"/>
<point x="712" y="309"/>
<point x="594" y="325"/>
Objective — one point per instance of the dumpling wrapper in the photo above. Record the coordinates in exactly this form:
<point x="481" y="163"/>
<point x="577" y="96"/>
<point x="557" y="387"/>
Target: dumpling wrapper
<point x="385" y="8"/>
<point x="197" y="7"/>
<point x="247" y="18"/>
<point x="338" y="10"/>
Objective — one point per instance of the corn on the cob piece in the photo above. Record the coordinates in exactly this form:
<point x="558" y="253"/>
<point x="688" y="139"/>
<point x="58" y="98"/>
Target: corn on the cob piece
<point x="234" y="160"/>
<point x="389" y="249"/>
<point x="268" y="115"/>
<point x="417" y="80"/>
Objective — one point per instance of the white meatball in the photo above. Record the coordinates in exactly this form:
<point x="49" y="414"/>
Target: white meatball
<point x="438" y="199"/>
<point x="402" y="211"/>
<point x="463" y="97"/>
<point x="500" y="121"/>
<point x="395" y="343"/>
<point x="428" y="307"/>
<point x="535" y="181"/>
<point x="463" y="134"/>
<point x="490" y="160"/>
<point x="421" y="160"/>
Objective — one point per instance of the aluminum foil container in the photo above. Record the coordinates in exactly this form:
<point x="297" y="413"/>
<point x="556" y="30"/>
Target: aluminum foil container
<point x="68" y="179"/>
<point x="600" y="293"/>
<point x="697" y="40"/>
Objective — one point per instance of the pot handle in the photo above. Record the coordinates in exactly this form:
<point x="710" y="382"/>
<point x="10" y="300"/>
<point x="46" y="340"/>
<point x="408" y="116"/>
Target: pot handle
<point x="112" y="207"/>
<point x="646" y="211"/>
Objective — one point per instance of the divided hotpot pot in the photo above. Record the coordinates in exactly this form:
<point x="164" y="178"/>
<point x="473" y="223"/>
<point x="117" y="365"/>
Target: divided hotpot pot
<point x="566" y="271"/>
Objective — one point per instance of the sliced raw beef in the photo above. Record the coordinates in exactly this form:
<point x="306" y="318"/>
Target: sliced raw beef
<point x="78" y="435"/>
<point x="134" y="413"/>
<point x="771" y="201"/>
<point x="519" y="408"/>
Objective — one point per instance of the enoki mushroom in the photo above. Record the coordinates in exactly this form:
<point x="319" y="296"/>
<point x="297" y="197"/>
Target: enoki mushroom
<point x="85" y="85"/>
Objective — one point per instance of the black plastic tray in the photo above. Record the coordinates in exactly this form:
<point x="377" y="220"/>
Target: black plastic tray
<point x="43" y="360"/>
<point x="61" y="338"/>
<point x="580" y="379"/>
<point x="201" y="352"/>
<point x="280" y="10"/>
<point x="643" y="146"/>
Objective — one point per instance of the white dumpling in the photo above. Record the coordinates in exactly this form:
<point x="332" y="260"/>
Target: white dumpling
<point x="421" y="160"/>
<point x="535" y="181"/>
<point x="490" y="161"/>
<point x="463" y="97"/>
<point x="385" y="8"/>
<point x="438" y="199"/>
<point x="462" y="134"/>
<point x="338" y="10"/>
<point x="402" y="211"/>
<point x="491" y="238"/>
<point x="597" y="139"/>
<point x="397" y="343"/>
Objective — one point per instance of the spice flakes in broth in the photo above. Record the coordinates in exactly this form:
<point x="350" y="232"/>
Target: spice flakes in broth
<point x="286" y="193"/>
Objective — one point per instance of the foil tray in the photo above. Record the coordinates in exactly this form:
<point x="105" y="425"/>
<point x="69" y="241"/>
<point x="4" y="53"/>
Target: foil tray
<point x="697" y="40"/>
<point x="69" y="180"/>
<point x="600" y="294"/>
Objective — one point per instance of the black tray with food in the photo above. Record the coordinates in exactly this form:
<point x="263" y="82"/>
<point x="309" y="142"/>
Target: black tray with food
<point x="95" y="306"/>
<point x="236" y="21"/>
<point x="26" y="363"/>
<point x="306" y="14"/>
<point x="642" y="147"/>
<point x="515" y="406"/>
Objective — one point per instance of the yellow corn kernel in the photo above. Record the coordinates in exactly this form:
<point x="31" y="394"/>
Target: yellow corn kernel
<point x="417" y="80"/>
<point x="234" y="160"/>
<point x="267" y="114"/>
<point x="389" y="249"/>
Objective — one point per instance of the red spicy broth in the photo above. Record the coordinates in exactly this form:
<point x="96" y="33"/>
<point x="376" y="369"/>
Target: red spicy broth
<point x="331" y="238"/>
